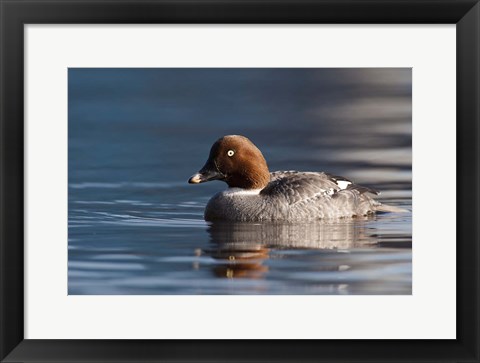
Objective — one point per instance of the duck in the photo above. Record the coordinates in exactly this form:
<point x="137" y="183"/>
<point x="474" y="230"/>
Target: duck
<point x="255" y="194"/>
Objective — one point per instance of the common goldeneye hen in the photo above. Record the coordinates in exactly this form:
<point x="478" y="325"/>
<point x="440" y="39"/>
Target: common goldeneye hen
<point x="256" y="195"/>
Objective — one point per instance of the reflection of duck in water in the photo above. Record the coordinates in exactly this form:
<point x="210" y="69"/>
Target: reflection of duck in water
<point x="245" y="246"/>
<point x="241" y="260"/>
<point x="255" y="194"/>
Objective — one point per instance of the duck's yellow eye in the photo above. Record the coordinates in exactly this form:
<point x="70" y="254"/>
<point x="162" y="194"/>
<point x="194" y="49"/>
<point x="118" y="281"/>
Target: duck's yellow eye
<point x="230" y="152"/>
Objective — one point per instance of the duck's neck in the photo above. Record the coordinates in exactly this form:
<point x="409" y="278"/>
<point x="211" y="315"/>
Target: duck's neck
<point x="250" y="178"/>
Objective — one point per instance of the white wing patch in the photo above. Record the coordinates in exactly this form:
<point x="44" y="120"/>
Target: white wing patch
<point x="343" y="184"/>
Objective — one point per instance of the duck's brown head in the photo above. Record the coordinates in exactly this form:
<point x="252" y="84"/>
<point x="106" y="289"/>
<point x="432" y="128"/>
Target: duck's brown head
<point x="237" y="161"/>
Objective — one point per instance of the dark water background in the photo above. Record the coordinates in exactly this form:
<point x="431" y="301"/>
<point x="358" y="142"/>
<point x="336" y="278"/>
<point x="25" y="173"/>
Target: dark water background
<point x="137" y="135"/>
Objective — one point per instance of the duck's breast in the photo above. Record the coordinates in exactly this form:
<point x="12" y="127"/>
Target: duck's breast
<point x="235" y="204"/>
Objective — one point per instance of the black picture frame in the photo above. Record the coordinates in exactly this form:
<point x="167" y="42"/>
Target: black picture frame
<point x="15" y="14"/>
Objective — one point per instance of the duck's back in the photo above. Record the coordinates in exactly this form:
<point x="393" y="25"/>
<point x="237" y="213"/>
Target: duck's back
<point x="294" y="196"/>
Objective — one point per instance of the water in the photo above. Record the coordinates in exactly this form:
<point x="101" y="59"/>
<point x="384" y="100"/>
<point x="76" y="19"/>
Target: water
<point x="137" y="135"/>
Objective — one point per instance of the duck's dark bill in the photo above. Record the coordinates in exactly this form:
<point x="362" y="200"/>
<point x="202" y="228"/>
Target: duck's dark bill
<point x="204" y="176"/>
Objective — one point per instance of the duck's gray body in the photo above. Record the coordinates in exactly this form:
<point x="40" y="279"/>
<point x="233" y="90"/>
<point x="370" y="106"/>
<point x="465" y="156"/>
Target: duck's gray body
<point x="294" y="197"/>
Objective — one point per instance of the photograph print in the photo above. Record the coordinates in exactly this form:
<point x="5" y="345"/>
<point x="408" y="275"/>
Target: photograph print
<point x="239" y="181"/>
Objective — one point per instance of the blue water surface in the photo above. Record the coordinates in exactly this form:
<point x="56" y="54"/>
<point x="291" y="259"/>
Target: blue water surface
<point x="137" y="135"/>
